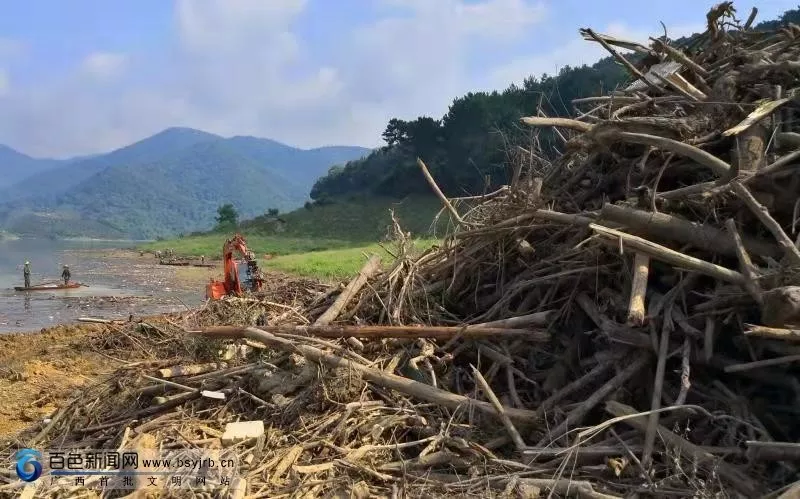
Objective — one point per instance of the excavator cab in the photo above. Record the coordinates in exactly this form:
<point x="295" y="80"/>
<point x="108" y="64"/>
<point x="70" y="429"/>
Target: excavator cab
<point x="240" y="275"/>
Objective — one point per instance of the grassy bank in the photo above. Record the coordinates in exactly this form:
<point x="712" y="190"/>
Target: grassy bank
<point x="210" y="245"/>
<point x="337" y="264"/>
<point x="327" y="240"/>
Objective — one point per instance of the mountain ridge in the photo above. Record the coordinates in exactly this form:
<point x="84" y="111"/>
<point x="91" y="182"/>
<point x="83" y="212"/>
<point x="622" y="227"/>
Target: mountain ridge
<point x="168" y="183"/>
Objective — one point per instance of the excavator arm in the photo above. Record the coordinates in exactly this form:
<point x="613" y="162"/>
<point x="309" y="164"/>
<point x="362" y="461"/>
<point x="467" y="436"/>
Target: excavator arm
<point x="232" y="285"/>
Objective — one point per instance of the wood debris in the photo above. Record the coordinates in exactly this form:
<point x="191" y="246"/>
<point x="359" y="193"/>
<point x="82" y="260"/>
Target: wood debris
<point x="622" y="321"/>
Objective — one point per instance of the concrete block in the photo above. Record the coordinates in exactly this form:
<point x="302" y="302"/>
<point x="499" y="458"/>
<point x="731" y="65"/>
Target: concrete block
<point x="243" y="430"/>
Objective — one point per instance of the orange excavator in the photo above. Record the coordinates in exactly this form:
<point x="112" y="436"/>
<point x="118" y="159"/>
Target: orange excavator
<point x="237" y="279"/>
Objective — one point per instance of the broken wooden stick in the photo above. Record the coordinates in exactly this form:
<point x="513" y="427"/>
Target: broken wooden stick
<point x="579" y="126"/>
<point x="501" y="413"/>
<point x="438" y="191"/>
<point x="412" y="388"/>
<point x="191" y="370"/>
<point x="369" y="269"/>
<point x="773" y="333"/>
<point x="746" y="265"/>
<point x="658" y="388"/>
<point x="636" y="306"/>
<point x="786" y="244"/>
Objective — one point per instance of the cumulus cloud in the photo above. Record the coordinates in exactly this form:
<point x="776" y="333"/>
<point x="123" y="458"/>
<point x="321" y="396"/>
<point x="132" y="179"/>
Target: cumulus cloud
<point x="239" y="67"/>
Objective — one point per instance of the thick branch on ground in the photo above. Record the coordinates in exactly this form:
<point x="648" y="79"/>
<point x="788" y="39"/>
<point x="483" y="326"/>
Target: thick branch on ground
<point x="373" y="332"/>
<point x="668" y="227"/>
<point x="412" y="388"/>
<point x="667" y="255"/>
<point x="369" y="269"/>
<point x="438" y="191"/>
<point x="562" y="122"/>
<point x="786" y="244"/>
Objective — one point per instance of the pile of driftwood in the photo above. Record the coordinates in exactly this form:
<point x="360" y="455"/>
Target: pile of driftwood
<point x="621" y="322"/>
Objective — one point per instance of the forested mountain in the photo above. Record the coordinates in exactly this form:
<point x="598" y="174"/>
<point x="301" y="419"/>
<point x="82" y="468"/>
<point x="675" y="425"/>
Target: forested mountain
<point x="466" y="150"/>
<point x="15" y="166"/>
<point x="163" y="185"/>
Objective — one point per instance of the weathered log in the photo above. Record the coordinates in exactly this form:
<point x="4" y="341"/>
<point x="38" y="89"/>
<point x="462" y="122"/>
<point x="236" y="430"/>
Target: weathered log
<point x="673" y="257"/>
<point x="562" y="122"/>
<point x="369" y="269"/>
<point x="671" y="228"/>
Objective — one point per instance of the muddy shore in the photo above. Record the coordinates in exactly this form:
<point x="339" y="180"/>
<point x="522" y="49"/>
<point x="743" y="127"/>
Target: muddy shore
<point x="119" y="283"/>
<point x="41" y="367"/>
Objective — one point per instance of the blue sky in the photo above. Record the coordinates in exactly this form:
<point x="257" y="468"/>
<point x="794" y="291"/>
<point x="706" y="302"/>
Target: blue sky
<point x="87" y="76"/>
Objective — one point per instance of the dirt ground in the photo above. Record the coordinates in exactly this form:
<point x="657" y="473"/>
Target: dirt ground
<point x="41" y="370"/>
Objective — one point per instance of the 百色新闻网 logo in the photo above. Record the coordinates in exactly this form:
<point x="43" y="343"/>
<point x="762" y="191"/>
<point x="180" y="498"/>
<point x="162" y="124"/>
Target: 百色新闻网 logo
<point x="28" y="466"/>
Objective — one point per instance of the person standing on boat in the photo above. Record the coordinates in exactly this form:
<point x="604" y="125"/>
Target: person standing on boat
<point x="65" y="275"/>
<point x="26" y="273"/>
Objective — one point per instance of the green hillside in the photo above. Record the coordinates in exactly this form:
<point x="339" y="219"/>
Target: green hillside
<point x="164" y="185"/>
<point x="355" y="218"/>
<point x="15" y="166"/>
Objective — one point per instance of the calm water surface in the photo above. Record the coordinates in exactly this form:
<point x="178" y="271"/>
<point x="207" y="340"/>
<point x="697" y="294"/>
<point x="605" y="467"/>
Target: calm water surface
<point x="110" y="291"/>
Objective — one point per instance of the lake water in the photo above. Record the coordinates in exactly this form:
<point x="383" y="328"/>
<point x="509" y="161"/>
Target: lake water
<point x="47" y="257"/>
<point x="114" y="287"/>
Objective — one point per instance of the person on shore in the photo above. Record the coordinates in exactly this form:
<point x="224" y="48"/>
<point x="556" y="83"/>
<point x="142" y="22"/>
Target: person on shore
<point x="65" y="275"/>
<point x="26" y="274"/>
<point x="202" y="259"/>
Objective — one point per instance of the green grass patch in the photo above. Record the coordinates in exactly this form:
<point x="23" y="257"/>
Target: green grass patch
<point x="210" y="245"/>
<point x="360" y="219"/>
<point x="337" y="264"/>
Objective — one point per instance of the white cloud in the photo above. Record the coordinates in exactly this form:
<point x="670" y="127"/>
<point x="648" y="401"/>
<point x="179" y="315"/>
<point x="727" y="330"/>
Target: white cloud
<point x="578" y="52"/>
<point x="239" y="67"/>
<point x="104" y="65"/>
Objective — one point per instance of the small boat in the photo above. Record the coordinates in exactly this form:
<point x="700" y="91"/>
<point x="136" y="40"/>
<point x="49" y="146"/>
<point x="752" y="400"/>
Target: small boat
<point x="49" y="287"/>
